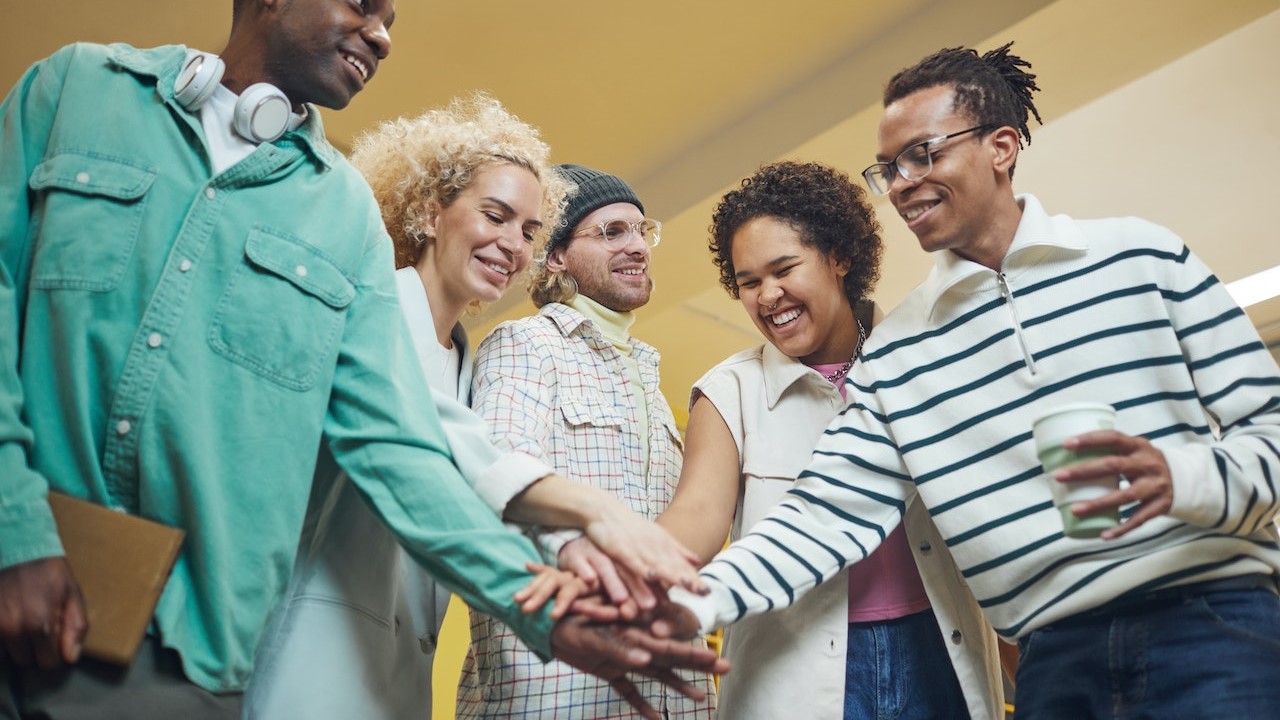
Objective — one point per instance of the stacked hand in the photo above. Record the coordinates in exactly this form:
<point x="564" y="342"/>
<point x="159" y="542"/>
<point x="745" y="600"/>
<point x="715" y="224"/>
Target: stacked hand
<point x="610" y="628"/>
<point x="644" y="549"/>
<point x="611" y="650"/>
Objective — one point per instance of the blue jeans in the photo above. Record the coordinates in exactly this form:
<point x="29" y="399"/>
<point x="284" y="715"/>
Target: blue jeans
<point x="1186" y="655"/>
<point x="899" y="669"/>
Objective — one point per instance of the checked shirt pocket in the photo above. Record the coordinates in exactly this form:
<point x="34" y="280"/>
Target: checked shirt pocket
<point x="283" y="311"/>
<point x="593" y="438"/>
<point x="92" y="213"/>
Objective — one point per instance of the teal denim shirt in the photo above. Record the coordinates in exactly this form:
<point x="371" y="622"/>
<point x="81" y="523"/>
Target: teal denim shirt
<point x="181" y="345"/>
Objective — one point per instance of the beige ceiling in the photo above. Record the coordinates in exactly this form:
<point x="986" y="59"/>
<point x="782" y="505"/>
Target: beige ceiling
<point x="685" y="98"/>
<point x="677" y="96"/>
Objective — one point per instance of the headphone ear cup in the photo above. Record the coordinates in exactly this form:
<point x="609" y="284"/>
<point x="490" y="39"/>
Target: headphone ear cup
<point x="262" y="113"/>
<point x="199" y="77"/>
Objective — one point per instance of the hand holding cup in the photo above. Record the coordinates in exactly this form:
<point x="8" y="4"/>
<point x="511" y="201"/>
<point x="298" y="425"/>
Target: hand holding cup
<point x="1049" y="431"/>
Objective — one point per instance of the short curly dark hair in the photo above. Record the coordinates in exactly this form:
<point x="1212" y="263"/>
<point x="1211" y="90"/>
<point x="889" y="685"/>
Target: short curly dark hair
<point x="828" y="209"/>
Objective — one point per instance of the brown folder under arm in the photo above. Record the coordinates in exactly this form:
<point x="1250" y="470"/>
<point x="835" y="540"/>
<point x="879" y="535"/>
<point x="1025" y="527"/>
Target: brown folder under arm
<point x="122" y="563"/>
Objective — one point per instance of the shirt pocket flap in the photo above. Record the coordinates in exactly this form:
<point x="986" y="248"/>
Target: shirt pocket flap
<point x="92" y="175"/>
<point x="767" y="457"/>
<point x="303" y="266"/>
<point x="590" y="409"/>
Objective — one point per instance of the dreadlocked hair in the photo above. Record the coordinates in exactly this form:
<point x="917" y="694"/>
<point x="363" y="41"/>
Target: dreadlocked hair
<point x="994" y="89"/>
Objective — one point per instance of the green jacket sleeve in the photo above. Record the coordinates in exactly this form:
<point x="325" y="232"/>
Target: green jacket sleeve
<point x="390" y="442"/>
<point x="27" y="530"/>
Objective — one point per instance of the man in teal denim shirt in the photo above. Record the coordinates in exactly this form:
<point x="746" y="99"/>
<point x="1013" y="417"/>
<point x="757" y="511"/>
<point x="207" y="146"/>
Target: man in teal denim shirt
<point x="180" y="339"/>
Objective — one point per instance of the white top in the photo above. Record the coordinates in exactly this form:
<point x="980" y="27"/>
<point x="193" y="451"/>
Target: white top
<point x="217" y="117"/>
<point x="226" y="147"/>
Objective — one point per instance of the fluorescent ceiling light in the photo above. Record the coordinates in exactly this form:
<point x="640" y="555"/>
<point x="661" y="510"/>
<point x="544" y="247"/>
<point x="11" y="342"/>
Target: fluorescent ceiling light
<point x="1256" y="288"/>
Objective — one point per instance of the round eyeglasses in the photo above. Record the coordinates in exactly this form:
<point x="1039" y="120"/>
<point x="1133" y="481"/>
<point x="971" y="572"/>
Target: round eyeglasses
<point x="913" y="163"/>
<point x="616" y="233"/>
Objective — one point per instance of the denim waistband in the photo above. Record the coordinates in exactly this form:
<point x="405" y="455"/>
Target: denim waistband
<point x="1166" y="596"/>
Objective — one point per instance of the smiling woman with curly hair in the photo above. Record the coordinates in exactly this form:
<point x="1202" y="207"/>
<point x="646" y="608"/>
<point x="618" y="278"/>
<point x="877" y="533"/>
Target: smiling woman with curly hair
<point x="819" y="202"/>
<point x="415" y="164"/>
<point x="798" y="245"/>
<point x="467" y="195"/>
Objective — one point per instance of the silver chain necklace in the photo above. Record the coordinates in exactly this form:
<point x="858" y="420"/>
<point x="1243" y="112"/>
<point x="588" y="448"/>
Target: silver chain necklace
<point x="843" y="370"/>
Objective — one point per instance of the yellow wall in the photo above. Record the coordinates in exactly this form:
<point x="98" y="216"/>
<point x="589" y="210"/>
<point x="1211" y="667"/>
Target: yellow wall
<point x="454" y="637"/>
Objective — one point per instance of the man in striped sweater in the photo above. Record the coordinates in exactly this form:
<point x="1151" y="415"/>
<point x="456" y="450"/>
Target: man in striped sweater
<point x="1172" y="613"/>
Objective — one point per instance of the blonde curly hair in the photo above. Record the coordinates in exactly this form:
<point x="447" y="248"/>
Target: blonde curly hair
<point x="410" y="162"/>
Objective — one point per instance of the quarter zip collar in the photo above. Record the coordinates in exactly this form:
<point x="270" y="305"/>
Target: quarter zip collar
<point x="1036" y="229"/>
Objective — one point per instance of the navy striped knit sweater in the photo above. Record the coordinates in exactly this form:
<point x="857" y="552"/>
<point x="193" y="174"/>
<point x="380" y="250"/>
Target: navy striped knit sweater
<point x="1116" y="311"/>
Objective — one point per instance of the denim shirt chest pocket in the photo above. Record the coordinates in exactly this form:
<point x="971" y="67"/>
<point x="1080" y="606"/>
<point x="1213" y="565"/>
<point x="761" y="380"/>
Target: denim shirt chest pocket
<point x="283" y="310"/>
<point x="91" y="216"/>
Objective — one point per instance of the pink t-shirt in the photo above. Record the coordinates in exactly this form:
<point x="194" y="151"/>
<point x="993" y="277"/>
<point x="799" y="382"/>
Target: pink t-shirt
<point x="885" y="585"/>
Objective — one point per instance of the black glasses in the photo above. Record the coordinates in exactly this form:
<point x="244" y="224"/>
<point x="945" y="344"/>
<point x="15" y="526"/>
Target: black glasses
<point x="913" y="163"/>
<point x="616" y="233"/>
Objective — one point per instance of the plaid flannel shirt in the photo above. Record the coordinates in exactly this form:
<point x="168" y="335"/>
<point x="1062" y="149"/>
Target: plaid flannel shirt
<point x="552" y="386"/>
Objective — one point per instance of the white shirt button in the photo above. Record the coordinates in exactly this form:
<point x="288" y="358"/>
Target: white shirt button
<point x="155" y="340"/>
<point x="301" y="270"/>
<point x="210" y="193"/>
<point x="185" y="265"/>
<point x="82" y="178"/>
<point x="123" y="427"/>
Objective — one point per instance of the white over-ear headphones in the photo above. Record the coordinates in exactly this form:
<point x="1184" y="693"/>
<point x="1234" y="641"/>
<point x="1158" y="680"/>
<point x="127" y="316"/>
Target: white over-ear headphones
<point x="262" y="111"/>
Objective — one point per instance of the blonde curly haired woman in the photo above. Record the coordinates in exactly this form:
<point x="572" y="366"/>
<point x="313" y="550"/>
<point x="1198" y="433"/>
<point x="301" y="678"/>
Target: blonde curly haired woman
<point x="467" y="195"/>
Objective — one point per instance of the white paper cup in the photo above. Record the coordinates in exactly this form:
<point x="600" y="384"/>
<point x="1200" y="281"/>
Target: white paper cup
<point x="1049" y="430"/>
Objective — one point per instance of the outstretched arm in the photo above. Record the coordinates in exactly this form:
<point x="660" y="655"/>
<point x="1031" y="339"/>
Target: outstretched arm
<point x="644" y="549"/>
<point x="702" y="510"/>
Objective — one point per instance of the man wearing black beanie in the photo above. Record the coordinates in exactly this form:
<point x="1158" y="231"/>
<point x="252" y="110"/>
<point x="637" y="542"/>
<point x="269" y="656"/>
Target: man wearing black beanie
<point x="572" y="387"/>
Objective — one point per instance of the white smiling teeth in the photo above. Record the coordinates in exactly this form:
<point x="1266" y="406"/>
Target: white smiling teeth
<point x="915" y="212"/>
<point x="783" y="318"/>
<point x="632" y="271"/>
<point x="355" y="62"/>
<point x="498" y="268"/>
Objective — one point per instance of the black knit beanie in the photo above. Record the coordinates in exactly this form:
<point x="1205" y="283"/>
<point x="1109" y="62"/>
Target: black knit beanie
<point x="595" y="190"/>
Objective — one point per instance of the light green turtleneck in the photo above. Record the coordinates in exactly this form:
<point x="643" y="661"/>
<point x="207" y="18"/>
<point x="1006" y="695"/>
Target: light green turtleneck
<point x="616" y="328"/>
